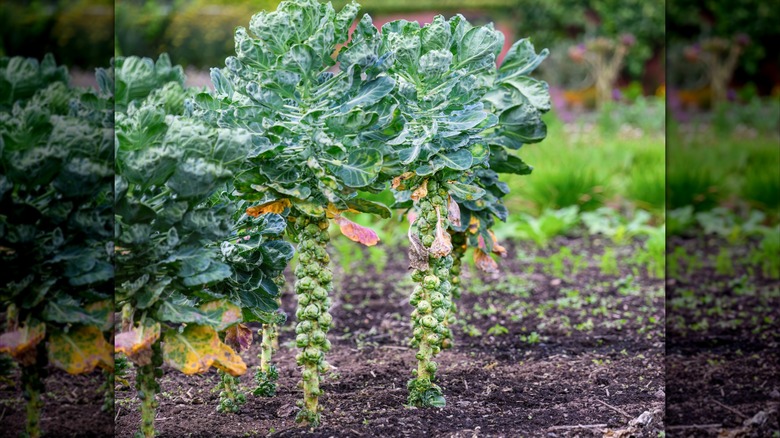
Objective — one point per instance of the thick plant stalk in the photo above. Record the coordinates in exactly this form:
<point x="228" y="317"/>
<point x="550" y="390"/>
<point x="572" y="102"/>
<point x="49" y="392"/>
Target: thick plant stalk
<point x="230" y="396"/>
<point x="33" y="386"/>
<point x="313" y="285"/>
<point x="267" y="374"/>
<point x="458" y="251"/>
<point x="147" y="386"/>
<point x="108" y="391"/>
<point x="431" y="297"/>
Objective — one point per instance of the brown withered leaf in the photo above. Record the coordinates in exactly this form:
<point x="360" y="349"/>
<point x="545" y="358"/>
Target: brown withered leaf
<point x="277" y="207"/>
<point x="484" y="262"/>
<point x="357" y="233"/>
<point x="418" y="253"/>
<point x="136" y="344"/>
<point x="420" y="192"/>
<point x="396" y="183"/>
<point x="239" y="337"/>
<point x="453" y="211"/>
<point x="20" y="343"/>
<point x="442" y="244"/>
<point x="497" y="248"/>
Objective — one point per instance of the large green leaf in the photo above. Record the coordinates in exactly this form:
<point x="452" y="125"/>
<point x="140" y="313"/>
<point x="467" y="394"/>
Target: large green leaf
<point x="361" y="168"/>
<point x="366" y="206"/>
<point x="521" y="59"/>
<point x="370" y="93"/>
<point x="458" y="160"/>
<point x="536" y="92"/>
<point x="524" y="123"/>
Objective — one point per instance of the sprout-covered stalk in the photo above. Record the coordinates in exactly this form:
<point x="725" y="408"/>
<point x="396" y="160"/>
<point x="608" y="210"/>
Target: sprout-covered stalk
<point x="33" y="386"/>
<point x="313" y="285"/>
<point x="147" y="386"/>
<point x="230" y="396"/>
<point x="431" y="297"/>
<point x="458" y="251"/>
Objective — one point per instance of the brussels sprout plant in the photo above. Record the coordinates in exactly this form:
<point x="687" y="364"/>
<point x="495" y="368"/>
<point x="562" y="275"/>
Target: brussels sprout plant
<point x="315" y="142"/>
<point x="169" y="169"/>
<point x="456" y="110"/>
<point x="55" y="225"/>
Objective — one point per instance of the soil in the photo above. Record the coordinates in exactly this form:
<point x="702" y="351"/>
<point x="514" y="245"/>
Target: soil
<point x="72" y="406"/>
<point x="723" y="360"/>
<point x="598" y="363"/>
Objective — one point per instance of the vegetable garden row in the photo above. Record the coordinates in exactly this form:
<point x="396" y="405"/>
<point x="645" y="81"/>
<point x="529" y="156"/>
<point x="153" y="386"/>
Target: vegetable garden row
<point x="213" y="193"/>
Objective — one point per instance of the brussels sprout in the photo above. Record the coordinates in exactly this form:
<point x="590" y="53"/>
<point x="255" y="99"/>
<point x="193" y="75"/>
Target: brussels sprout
<point x="440" y="314"/>
<point x="318" y="337"/>
<point x="325" y="276"/>
<point x="319" y="293"/>
<point x="302" y="340"/>
<point x="431" y="282"/>
<point x="433" y="338"/>
<point x="304" y="300"/>
<point x="437" y="299"/>
<point x="325" y="319"/>
<point x="429" y="321"/>
<point x="431" y="367"/>
<point x="428" y="239"/>
<point x="311" y="312"/>
<point x="304" y="327"/>
<point x="424" y="307"/>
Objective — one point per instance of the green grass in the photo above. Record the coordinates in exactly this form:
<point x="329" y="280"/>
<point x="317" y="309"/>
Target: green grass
<point x="589" y="169"/>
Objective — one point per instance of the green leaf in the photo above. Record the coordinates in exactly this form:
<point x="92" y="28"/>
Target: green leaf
<point x="523" y="123"/>
<point x="535" y="92"/>
<point x="478" y="43"/>
<point x="371" y="207"/>
<point x="370" y="93"/>
<point x="465" y="192"/>
<point x="510" y="164"/>
<point x="458" y="160"/>
<point x="521" y="59"/>
<point x="361" y="168"/>
<point x="277" y="254"/>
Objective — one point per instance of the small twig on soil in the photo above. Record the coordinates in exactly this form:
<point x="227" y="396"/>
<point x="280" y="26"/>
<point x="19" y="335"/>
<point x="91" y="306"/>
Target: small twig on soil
<point x="395" y="347"/>
<point x="578" y="426"/>
<point x="616" y="409"/>
<point x="466" y="384"/>
<point x="729" y="408"/>
<point x="118" y="410"/>
<point x="3" y="415"/>
<point x="695" y="426"/>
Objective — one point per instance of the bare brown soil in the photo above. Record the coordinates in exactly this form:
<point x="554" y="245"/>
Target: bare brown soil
<point x="723" y="345"/>
<point x="594" y="366"/>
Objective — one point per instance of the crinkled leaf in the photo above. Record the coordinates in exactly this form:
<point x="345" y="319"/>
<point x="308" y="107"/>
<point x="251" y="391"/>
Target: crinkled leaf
<point x="361" y="168"/>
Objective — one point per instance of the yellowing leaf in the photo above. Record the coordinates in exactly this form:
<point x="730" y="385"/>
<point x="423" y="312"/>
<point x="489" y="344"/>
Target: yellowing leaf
<point x="223" y="311"/>
<point x="332" y="211"/>
<point x="136" y="343"/>
<point x="442" y="243"/>
<point x="453" y="211"/>
<point x="484" y="262"/>
<point x="197" y="348"/>
<point x="80" y="350"/>
<point x="277" y="207"/>
<point x="357" y="233"/>
<point x="420" y="192"/>
<point x="20" y="343"/>
<point x="239" y="337"/>
<point x="473" y="225"/>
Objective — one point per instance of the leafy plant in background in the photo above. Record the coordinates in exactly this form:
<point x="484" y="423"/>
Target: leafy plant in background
<point x="450" y="115"/>
<point x="313" y="134"/>
<point x="605" y="58"/>
<point x="168" y="169"/>
<point x="551" y="223"/>
<point x="55" y="226"/>
<point x="610" y="223"/>
<point x="720" y="56"/>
